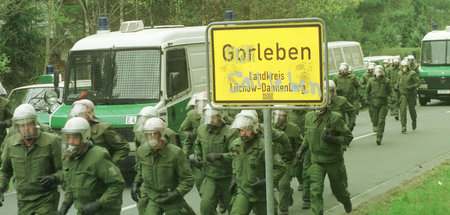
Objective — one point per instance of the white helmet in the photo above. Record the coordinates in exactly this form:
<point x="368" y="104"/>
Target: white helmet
<point x="198" y="101"/>
<point x="210" y="113"/>
<point x="78" y="125"/>
<point x="385" y="61"/>
<point x="350" y="69"/>
<point x="278" y="113"/>
<point x="24" y="114"/>
<point x="379" y="71"/>
<point x="154" y="124"/>
<point x="245" y="119"/>
<point x="404" y="63"/>
<point x="145" y="114"/>
<point x="411" y="58"/>
<point x="395" y="60"/>
<point x="371" y="66"/>
<point x="80" y="107"/>
<point x="343" y="66"/>
<point x="331" y="84"/>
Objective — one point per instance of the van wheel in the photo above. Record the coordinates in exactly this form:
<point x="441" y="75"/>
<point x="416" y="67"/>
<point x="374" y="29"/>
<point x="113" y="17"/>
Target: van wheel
<point x="423" y="101"/>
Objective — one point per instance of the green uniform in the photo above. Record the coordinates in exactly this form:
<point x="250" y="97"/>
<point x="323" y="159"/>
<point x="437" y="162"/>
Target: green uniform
<point x="188" y="129"/>
<point x="393" y="74"/>
<point x="248" y="166"/>
<point x="348" y="87"/>
<point x="327" y="157"/>
<point x="93" y="176"/>
<point x="218" y="173"/>
<point x="6" y="114"/>
<point x="229" y="115"/>
<point x="25" y="165"/>
<point x="162" y="171"/>
<point x="408" y="82"/>
<point x="414" y="67"/>
<point x="341" y="105"/>
<point x="103" y="135"/>
<point x="284" y="183"/>
<point x="377" y="93"/>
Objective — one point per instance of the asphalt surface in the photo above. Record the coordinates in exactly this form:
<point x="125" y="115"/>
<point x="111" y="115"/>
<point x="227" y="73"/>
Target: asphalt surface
<point x="371" y="169"/>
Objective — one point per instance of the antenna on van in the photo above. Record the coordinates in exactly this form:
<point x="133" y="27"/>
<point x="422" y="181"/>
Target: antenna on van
<point x="151" y="18"/>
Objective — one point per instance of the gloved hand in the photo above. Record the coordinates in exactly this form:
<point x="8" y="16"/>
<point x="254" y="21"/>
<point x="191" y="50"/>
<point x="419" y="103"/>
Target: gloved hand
<point x="91" y="208"/>
<point x="2" y="198"/>
<point x="329" y="138"/>
<point x="135" y="190"/>
<point x="64" y="209"/>
<point x="192" y="136"/>
<point x="211" y="157"/>
<point x="351" y="126"/>
<point x="47" y="181"/>
<point x="233" y="185"/>
<point x="258" y="182"/>
<point x="168" y="197"/>
<point x="194" y="161"/>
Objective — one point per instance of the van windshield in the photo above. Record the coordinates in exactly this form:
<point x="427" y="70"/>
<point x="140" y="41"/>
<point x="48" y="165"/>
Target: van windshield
<point x="436" y="53"/>
<point x="113" y="76"/>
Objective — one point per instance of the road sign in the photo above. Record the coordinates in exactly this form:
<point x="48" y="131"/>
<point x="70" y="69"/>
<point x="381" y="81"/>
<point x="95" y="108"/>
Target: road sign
<point x="267" y="63"/>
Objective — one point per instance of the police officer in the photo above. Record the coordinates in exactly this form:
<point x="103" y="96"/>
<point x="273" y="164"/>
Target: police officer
<point x="188" y="131"/>
<point x="347" y="85"/>
<point x="163" y="176"/>
<point x="101" y="133"/>
<point x="280" y="122"/>
<point x="145" y="114"/>
<point x="378" y="91"/>
<point x="213" y="146"/>
<point x="33" y="159"/>
<point x="341" y="105"/>
<point x="94" y="183"/>
<point x="412" y="64"/>
<point x="408" y="82"/>
<point x="248" y="166"/>
<point x="368" y="75"/>
<point x="393" y="74"/>
<point x="327" y="135"/>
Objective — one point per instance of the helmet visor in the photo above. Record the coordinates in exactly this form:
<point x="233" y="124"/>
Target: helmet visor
<point x="140" y="123"/>
<point x="28" y="129"/>
<point x="242" y="122"/>
<point x="79" y="110"/>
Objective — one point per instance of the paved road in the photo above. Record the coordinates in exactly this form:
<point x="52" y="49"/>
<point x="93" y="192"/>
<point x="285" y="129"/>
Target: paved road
<point x="371" y="169"/>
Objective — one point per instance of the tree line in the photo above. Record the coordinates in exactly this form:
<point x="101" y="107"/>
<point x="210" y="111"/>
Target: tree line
<point x="34" y="33"/>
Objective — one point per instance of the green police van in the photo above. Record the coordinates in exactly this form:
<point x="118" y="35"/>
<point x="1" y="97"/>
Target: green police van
<point x="345" y="51"/>
<point x="435" y="66"/>
<point x="126" y="70"/>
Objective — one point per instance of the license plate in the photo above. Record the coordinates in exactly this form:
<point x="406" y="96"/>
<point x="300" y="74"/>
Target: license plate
<point x="130" y="120"/>
<point x="443" y="91"/>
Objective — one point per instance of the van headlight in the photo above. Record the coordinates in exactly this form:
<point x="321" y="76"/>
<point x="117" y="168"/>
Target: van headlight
<point x="51" y="97"/>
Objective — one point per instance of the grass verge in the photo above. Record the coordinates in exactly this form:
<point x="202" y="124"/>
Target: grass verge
<point x="428" y="194"/>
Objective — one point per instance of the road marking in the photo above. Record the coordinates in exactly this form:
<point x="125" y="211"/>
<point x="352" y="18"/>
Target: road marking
<point x="7" y="194"/>
<point x="365" y="135"/>
<point x="128" y="207"/>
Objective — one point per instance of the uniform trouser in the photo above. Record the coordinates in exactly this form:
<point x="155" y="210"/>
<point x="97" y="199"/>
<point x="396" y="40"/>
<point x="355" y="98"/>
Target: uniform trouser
<point x="47" y="205"/>
<point x="395" y="104"/>
<point x="211" y="191"/>
<point x="298" y="172"/>
<point x="407" y="100"/>
<point x="199" y="176"/>
<point x="282" y="181"/>
<point x="147" y="206"/>
<point x="355" y="103"/>
<point x="241" y="205"/>
<point x="336" y="174"/>
<point x="306" y="179"/>
<point x="378" y="116"/>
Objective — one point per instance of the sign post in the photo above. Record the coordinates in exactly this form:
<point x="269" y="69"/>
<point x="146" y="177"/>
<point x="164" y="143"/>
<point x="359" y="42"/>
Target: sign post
<point x="257" y="64"/>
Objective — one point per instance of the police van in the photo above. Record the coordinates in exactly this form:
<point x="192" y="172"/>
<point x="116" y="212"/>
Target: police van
<point x="435" y="66"/>
<point x="345" y="51"/>
<point x="126" y="70"/>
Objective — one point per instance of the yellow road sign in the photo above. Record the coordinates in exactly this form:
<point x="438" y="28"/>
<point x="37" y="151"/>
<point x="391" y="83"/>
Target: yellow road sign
<point x="268" y="63"/>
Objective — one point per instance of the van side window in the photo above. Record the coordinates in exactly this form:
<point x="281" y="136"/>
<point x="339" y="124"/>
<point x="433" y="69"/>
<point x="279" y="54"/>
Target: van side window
<point x="176" y="72"/>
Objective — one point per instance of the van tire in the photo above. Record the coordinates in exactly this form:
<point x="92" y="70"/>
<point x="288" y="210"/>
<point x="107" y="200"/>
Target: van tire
<point x="423" y="101"/>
